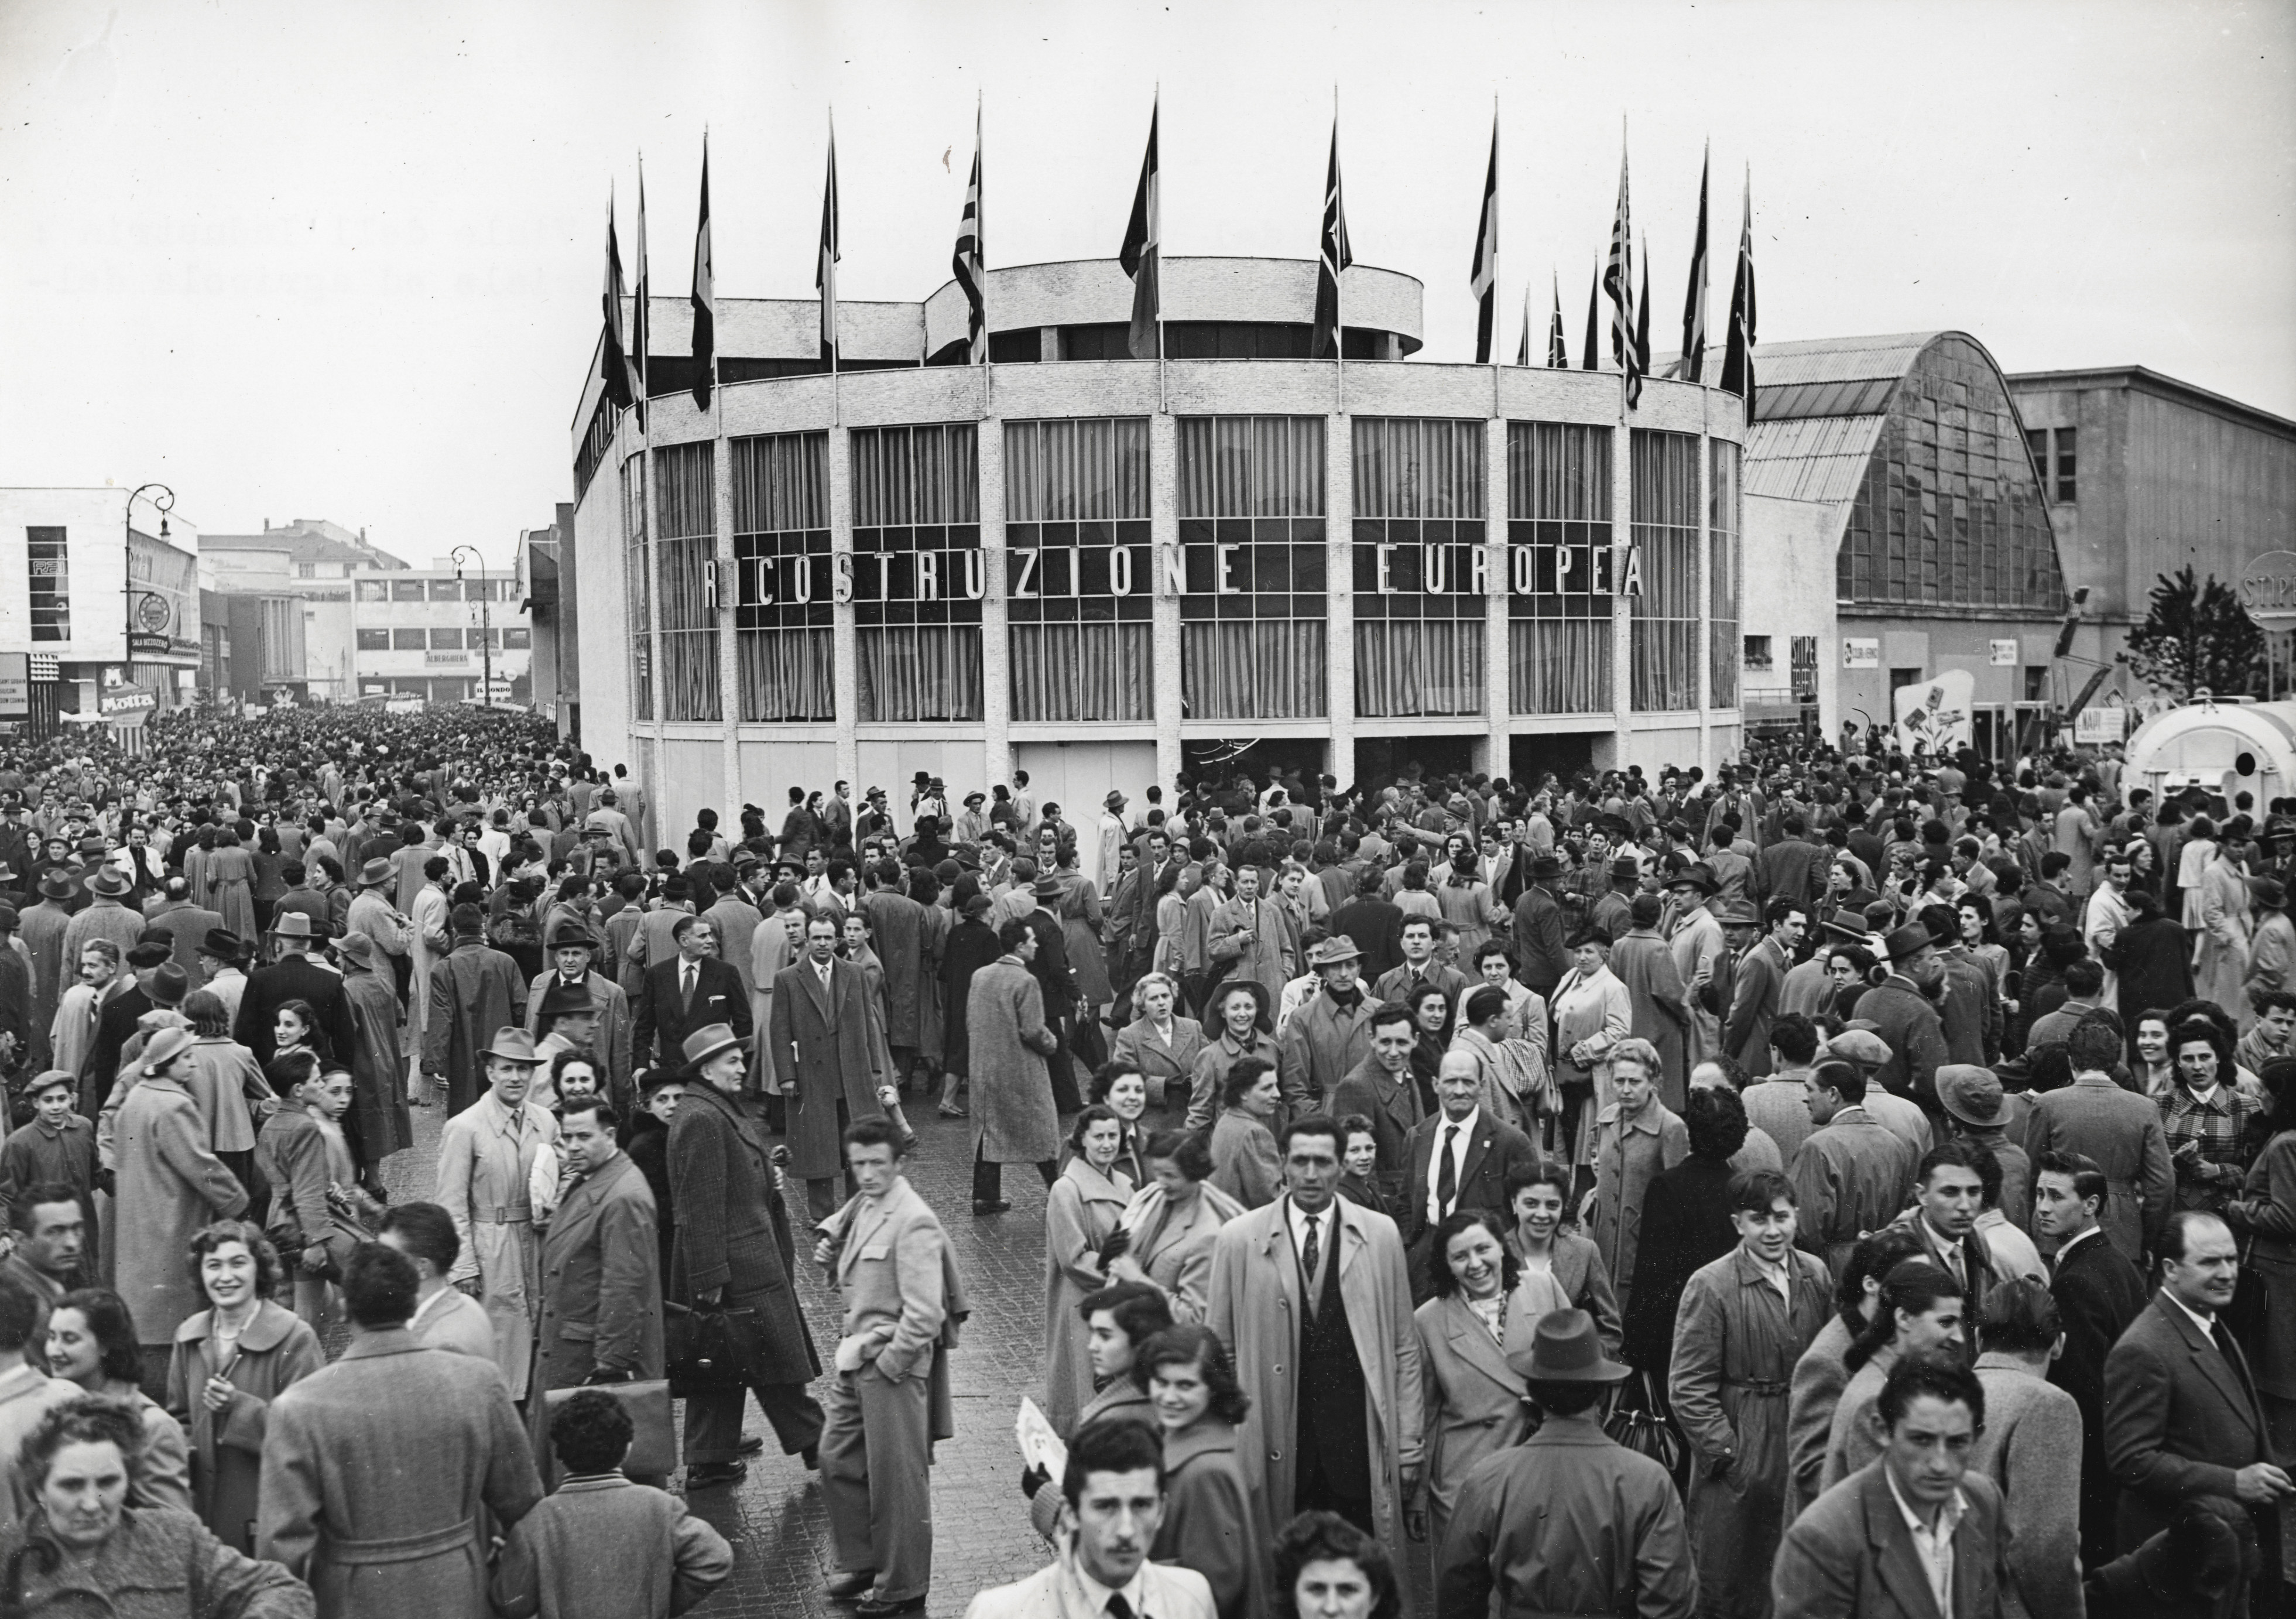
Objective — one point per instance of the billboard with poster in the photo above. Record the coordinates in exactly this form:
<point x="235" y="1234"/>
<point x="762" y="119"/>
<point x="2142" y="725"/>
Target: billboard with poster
<point x="1934" y="714"/>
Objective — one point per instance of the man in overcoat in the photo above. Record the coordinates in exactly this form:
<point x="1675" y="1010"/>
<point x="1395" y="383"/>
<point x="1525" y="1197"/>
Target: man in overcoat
<point x="1329" y="1037"/>
<point x="378" y="1071"/>
<point x="2119" y="1130"/>
<point x="574" y="961"/>
<point x="601" y="1320"/>
<point x="1383" y="1090"/>
<point x="897" y="925"/>
<point x="292" y="977"/>
<point x="734" y="1248"/>
<point x="1759" y="977"/>
<point x="1010" y="1037"/>
<point x="473" y="992"/>
<point x="827" y="1038"/>
<point x="1642" y="961"/>
<point x="384" y="1473"/>
<point x="486" y="1168"/>
<point x="1312" y="1296"/>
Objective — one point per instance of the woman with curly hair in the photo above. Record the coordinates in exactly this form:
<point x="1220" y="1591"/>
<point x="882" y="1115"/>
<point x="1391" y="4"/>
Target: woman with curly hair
<point x="1472" y="1399"/>
<point x="1208" y="1516"/>
<point x="92" y="1342"/>
<point x="231" y="1361"/>
<point x="1327" y="1569"/>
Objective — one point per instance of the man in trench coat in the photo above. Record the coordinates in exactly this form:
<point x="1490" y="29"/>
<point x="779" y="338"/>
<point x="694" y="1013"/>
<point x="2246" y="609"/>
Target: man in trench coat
<point x="383" y="1474"/>
<point x="486" y="1164"/>
<point x="473" y="992"/>
<point x="827" y="1041"/>
<point x="1331" y="1411"/>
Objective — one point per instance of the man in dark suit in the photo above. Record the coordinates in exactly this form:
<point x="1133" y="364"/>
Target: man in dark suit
<point x="1794" y="868"/>
<point x="1460" y="1159"/>
<point x="1948" y="1196"/>
<point x="1376" y="922"/>
<point x="1057" y="981"/>
<point x="1757" y="981"/>
<point x="1539" y="929"/>
<point x="2098" y="1293"/>
<point x="691" y="991"/>
<point x="828" y="1042"/>
<point x="158" y="982"/>
<point x="2182" y="1418"/>
<point x="1381" y="1088"/>
<point x="1853" y="1551"/>
<point x="292" y="977"/>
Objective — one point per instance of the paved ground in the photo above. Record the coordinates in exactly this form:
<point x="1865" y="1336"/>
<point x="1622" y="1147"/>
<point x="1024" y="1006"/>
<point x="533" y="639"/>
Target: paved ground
<point x="775" y="1520"/>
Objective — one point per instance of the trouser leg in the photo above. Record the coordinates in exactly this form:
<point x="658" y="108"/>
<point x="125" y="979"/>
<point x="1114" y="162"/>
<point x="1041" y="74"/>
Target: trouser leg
<point x="988" y="1179"/>
<point x="875" y="1475"/>
<point x="795" y="1416"/>
<point x="1050" y="1169"/>
<point x="713" y="1427"/>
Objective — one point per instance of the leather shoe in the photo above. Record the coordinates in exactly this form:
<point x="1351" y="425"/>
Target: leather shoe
<point x="811" y="1456"/>
<point x="710" y="1475"/>
<point x="752" y="1445"/>
<point x="878" y="1607"/>
<point x="844" y="1586"/>
<point x="982" y="1206"/>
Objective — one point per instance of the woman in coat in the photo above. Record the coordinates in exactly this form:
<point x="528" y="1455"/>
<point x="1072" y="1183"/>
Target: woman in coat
<point x="1592" y="1013"/>
<point x="1472" y="1401"/>
<point x="1121" y="1089"/>
<point x="1174" y="1221"/>
<point x="1208" y="1524"/>
<point x="1736" y="1340"/>
<point x="1687" y="1224"/>
<point x="1557" y="1268"/>
<point x="1013" y="1119"/>
<point x="231" y="872"/>
<point x="1081" y="1210"/>
<point x="1244" y="1162"/>
<point x="1163" y="1045"/>
<point x="2265" y="1214"/>
<point x="973" y="944"/>
<point x="231" y="1361"/>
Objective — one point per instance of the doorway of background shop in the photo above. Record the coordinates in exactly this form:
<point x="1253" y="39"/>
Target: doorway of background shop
<point x="1218" y="763"/>
<point x="1381" y="761"/>
<point x="1566" y="754"/>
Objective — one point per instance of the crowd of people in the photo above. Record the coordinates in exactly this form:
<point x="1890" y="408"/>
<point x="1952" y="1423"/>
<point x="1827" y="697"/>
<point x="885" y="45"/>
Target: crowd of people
<point x="1848" y="1185"/>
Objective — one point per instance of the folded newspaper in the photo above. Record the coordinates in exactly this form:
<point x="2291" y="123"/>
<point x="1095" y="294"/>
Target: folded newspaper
<point x="1040" y="1447"/>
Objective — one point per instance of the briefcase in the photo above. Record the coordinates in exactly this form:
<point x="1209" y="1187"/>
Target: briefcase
<point x="707" y="1350"/>
<point x="654" y="1438"/>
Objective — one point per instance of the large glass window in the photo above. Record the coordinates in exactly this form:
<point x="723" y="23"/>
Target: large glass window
<point x="637" y="584"/>
<point x="1421" y="572"/>
<point x="1952" y="513"/>
<point x="918" y="572"/>
<point x="371" y="590"/>
<point x="450" y="640"/>
<point x="45" y="550"/>
<point x="1078" y="592"/>
<point x="685" y="563"/>
<point x="374" y="640"/>
<point x="1558" y="568"/>
<point x="781" y="546"/>
<point x="1725" y="545"/>
<point x="1254" y="601"/>
<point x="409" y="640"/>
<point x="1666" y="559"/>
<point x="407" y="591"/>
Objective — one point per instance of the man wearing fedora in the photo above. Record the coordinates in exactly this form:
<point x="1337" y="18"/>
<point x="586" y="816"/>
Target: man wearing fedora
<point x="475" y="990"/>
<point x="156" y="982"/>
<point x="1906" y="1019"/>
<point x="1694" y="935"/>
<point x="375" y="913"/>
<point x="574" y="951"/>
<point x="1329" y="1037"/>
<point x="486" y="1161"/>
<point x="293" y="976"/>
<point x="43" y="934"/>
<point x="733" y="1247"/>
<point x="1570" y="1521"/>
<point x="105" y="916"/>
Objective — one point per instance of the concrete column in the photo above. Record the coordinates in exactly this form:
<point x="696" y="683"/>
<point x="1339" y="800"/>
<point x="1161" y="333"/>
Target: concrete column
<point x="729" y="653"/>
<point x="1495" y="605"/>
<point x="1164" y="627"/>
<point x="1339" y="563"/>
<point x="1705" y="607"/>
<point x="652" y="775"/>
<point x="845" y="641"/>
<point x="1623" y="616"/>
<point x="996" y="640"/>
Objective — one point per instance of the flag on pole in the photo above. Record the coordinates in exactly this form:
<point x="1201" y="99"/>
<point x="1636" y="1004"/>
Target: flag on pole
<point x="1142" y="246"/>
<point x="1618" y="283"/>
<point x="1738" y="349"/>
<point x="1522" y="349"/>
<point x="1558" y="347"/>
<point x="704" y="296"/>
<point x="824" y="273"/>
<point x="1336" y="254"/>
<point x="1588" y="362"/>
<point x="1483" y="276"/>
<point x="616" y="368"/>
<point x="639" y="333"/>
<point x="971" y="261"/>
<point x="1642" y="317"/>
<point x="1693" y="364"/>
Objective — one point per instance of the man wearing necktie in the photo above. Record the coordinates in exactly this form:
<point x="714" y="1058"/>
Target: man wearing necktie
<point x="1948" y="1194"/>
<point x="2182" y="1418"/>
<point x="1459" y="1159"/>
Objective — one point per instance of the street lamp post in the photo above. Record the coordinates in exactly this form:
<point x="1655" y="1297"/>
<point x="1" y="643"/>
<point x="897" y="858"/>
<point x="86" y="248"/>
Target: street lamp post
<point x="486" y="623"/>
<point x="164" y="501"/>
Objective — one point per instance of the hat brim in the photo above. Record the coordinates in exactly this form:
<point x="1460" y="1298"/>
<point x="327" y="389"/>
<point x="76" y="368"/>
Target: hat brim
<point x="691" y="1069"/>
<point x="1961" y="1112"/>
<point x="524" y="1059"/>
<point x="1604" y="1370"/>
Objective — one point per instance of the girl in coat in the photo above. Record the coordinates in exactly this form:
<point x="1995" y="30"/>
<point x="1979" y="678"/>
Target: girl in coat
<point x="1173" y="1223"/>
<point x="1244" y="1162"/>
<point x="1081" y="1210"/>
<point x="1557" y="1268"/>
<point x="1123" y="1090"/>
<point x="92" y="1342"/>
<point x="231" y="1361"/>
<point x="1209" y="1523"/>
<point x="1472" y="1401"/>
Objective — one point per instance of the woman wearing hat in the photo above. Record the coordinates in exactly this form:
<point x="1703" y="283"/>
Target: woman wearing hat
<point x="1592" y="1013"/>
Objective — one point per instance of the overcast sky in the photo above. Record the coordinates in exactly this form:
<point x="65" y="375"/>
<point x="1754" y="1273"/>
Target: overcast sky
<point x="332" y="261"/>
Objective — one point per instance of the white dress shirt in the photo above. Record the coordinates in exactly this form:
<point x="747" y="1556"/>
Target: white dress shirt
<point x="1933" y="1546"/>
<point x="1465" y="1130"/>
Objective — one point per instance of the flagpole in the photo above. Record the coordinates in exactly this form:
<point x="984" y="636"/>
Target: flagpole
<point x="981" y="247"/>
<point x="1338" y="279"/>
<point x="1496" y="340"/>
<point x="1156" y="234"/>
<point x="829" y="285"/>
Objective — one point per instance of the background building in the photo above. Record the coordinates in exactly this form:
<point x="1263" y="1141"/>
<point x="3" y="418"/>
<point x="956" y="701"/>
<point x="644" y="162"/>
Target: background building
<point x="98" y="610"/>
<point x="434" y="633"/>
<point x="1104" y="570"/>
<point x="308" y="560"/>
<point x="545" y="588"/>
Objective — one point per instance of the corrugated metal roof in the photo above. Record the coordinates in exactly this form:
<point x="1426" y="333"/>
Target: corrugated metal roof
<point x="1810" y="457"/>
<point x="1839" y="359"/>
<point x="1821" y="406"/>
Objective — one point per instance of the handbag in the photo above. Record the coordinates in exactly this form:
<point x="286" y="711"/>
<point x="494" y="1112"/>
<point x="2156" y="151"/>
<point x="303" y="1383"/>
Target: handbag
<point x="653" y="1439"/>
<point x="1644" y="1428"/>
<point x="706" y="1350"/>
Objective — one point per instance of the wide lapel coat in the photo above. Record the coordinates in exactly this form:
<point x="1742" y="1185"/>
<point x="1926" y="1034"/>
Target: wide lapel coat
<point x="827" y="1046"/>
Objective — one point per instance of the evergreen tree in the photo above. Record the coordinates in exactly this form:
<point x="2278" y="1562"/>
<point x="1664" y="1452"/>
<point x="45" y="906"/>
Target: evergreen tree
<point x="2196" y="638"/>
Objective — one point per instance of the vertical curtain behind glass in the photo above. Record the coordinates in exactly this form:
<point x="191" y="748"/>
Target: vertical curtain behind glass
<point x="920" y="671"/>
<point x="781" y="488"/>
<point x="1265" y="669"/>
<point x="637" y="575"/>
<point x="1408" y="466"/>
<point x="1088" y="470"/>
<point x="686" y="554"/>
<point x="1558" y="491"/>
<point x="1261" y="467"/>
<point x="1722" y="522"/>
<point x="1252" y="466"/>
<point x="1666" y="535"/>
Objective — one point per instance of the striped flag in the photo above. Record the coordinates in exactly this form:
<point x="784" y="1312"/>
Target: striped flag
<point x="1522" y="349"/>
<point x="1142" y="242"/>
<point x="824" y="273"/>
<point x="615" y="366"/>
<point x="1334" y="255"/>
<point x="971" y="261"/>
<point x="1558" y="348"/>
<point x="1694" y="307"/>
<point x="1619" y="284"/>
<point x="639" y="326"/>
<point x="704" y="296"/>
<point x="1738" y="349"/>
<point x="1483" y="276"/>
<point x="1588" y="362"/>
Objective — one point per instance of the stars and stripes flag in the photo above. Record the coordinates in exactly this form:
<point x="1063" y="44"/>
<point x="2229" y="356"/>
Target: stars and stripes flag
<point x="1738" y="349"/>
<point x="1334" y="254"/>
<point x="1522" y="349"/>
<point x="1618" y="283"/>
<point x="971" y="261"/>
<point x="824" y="273"/>
<point x="1692" y="364"/>
<point x="640" y="325"/>
<point x="1143" y="243"/>
<point x="1483" y="276"/>
<point x="616" y="367"/>
<point x="1558" y="347"/>
<point x="704" y="296"/>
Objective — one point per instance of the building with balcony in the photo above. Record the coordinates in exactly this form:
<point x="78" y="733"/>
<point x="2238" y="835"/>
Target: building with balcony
<point x="1106" y="571"/>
